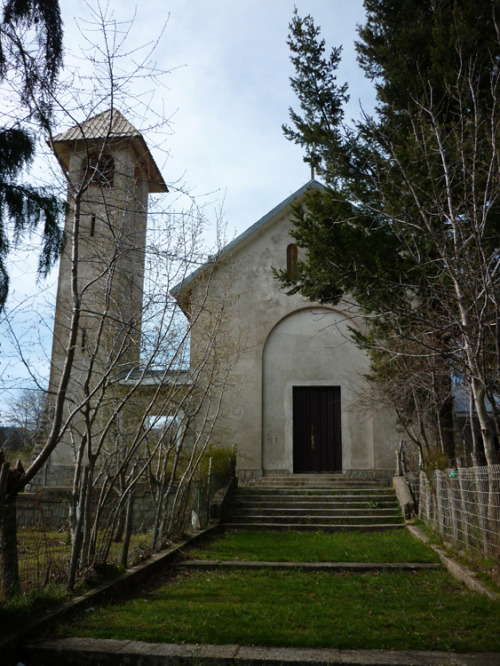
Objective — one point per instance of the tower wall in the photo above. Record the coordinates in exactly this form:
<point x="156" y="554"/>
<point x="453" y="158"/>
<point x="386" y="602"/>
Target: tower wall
<point x="110" y="231"/>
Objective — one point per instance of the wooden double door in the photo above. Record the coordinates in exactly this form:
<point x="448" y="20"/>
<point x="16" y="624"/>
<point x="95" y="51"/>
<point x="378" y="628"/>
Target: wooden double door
<point x="317" y="443"/>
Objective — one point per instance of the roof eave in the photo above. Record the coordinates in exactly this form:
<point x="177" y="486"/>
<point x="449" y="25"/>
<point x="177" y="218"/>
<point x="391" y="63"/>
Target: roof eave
<point x="63" y="148"/>
<point x="245" y="236"/>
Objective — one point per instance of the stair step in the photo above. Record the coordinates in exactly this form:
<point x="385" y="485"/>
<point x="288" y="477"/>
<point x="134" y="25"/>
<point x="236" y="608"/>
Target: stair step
<point x="314" y="483"/>
<point x="346" y="519"/>
<point x="334" y="512"/>
<point x="314" y="502"/>
<point x="300" y="504"/>
<point x="355" y="567"/>
<point x="309" y="478"/>
<point x="314" y="526"/>
<point x="316" y="492"/>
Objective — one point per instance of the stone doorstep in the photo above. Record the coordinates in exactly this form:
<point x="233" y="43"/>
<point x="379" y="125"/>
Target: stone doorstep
<point x="352" y="567"/>
<point x="79" y="651"/>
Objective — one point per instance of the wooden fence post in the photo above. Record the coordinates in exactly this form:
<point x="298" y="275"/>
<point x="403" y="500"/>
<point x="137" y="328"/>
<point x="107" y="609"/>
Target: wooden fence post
<point x="441" y="502"/>
<point x="454" y="504"/>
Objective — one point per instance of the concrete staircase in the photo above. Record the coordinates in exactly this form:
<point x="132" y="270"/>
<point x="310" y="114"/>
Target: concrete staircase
<point x="314" y="501"/>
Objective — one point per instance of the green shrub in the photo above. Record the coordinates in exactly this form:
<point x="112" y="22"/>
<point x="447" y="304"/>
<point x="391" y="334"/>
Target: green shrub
<point x="222" y="465"/>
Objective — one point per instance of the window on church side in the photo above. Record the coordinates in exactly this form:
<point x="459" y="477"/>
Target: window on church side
<point x="292" y="257"/>
<point x="99" y="170"/>
<point x="92" y="225"/>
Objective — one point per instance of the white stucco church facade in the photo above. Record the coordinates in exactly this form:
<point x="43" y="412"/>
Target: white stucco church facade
<point x="291" y="404"/>
<point x="289" y="370"/>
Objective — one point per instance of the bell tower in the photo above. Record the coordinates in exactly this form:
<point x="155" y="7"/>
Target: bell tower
<point x="110" y="173"/>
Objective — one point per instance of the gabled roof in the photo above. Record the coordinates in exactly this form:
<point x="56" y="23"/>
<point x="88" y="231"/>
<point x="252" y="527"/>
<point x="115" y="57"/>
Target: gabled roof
<point x="110" y="126"/>
<point x="251" y="231"/>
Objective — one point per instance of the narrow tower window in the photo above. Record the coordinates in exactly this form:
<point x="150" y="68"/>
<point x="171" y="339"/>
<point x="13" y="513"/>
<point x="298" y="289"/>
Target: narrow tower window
<point x="292" y="256"/>
<point x="92" y="225"/>
<point x="83" y="342"/>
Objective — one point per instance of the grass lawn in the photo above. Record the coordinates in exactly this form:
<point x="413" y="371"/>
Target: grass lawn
<point x="391" y="546"/>
<point x="393" y="610"/>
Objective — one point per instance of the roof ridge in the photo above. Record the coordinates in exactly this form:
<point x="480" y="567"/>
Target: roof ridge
<point x="250" y="231"/>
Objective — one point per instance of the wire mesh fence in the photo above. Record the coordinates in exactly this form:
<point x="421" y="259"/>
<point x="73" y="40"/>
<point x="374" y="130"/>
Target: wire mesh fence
<point x="43" y="557"/>
<point x="44" y="542"/>
<point x="463" y="506"/>
<point x="44" y="547"/>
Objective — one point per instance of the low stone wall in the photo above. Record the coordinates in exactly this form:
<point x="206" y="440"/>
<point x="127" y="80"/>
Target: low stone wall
<point x="405" y="498"/>
<point x="50" y="507"/>
<point x="58" y="476"/>
<point x="47" y="507"/>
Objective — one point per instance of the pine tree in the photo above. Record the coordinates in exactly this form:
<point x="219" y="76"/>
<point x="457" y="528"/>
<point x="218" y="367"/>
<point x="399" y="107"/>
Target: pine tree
<point x="408" y="225"/>
<point x="31" y="56"/>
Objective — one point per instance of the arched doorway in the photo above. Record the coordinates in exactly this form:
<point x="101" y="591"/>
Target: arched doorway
<point x="308" y="361"/>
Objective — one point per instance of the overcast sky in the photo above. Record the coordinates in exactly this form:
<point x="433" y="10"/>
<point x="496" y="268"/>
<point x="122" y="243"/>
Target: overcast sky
<point x="228" y="91"/>
<point x="226" y="97"/>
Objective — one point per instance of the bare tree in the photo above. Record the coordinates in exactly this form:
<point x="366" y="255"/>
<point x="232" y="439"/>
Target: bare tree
<point x="454" y="207"/>
<point x="120" y="358"/>
<point x="27" y="412"/>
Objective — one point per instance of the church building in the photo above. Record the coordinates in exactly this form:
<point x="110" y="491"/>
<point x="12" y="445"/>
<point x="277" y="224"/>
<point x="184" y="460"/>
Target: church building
<point x="292" y="401"/>
<point x="285" y="374"/>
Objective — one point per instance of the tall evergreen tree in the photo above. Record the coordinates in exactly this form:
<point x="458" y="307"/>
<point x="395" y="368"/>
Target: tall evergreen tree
<point x="30" y="59"/>
<point x="409" y="222"/>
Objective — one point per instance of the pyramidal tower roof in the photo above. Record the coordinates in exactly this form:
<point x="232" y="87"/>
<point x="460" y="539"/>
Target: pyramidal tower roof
<point x="110" y="127"/>
<point x="109" y="124"/>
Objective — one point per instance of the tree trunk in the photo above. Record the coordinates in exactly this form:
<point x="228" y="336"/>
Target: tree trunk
<point x="128" y="529"/>
<point x="77" y="529"/>
<point x="476" y="382"/>
<point x="9" y="566"/>
<point x="447" y="428"/>
<point x="10" y="487"/>
<point x="88" y="545"/>
<point x="484" y="422"/>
